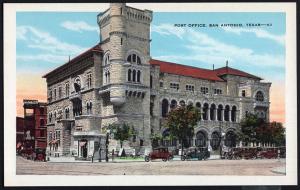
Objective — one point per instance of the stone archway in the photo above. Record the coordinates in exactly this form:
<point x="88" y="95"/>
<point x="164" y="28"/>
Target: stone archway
<point x="230" y="139"/>
<point x="201" y="138"/>
<point x="215" y="140"/>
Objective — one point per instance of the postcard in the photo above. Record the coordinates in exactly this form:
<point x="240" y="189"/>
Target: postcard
<point x="150" y="94"/>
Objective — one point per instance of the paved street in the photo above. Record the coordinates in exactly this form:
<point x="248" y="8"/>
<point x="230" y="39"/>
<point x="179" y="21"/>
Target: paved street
<point x="209" y="167"/>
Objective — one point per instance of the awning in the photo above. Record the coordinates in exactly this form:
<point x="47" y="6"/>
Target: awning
<point x="82" y="143"/>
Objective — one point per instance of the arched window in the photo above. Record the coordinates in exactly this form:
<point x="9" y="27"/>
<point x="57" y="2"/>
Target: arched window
<point x="164" y="108"/>
<point x="226" y="113"/>
<point x="129" y="74"/>
<point x="182" y="103"/>
<point x="259" y="96"/>
<point x="173" y="104"/>
<point x="205" y="111"/>
<point x="212" y="112"/>
<point x="134" y="58"/>
<point x="219" y="113"/>
<point x="89" y="107"/>
<point x="233" y="114"/>
<point x="138" y="76"/>
<point x="77" y="84"/>
<point x="200" y="139"/>
<point x="230" y="139"/>
<point x="67" y="113"/>
<point x="133" y="75"/>
<point x="215" y="140"/>
<point x="106" y="59"/>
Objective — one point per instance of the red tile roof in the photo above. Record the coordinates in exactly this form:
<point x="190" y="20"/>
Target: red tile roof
<point x="230" y="71"/>
<point x="178" y="69"/>
<point x="95" y="48"/>
<point x="184" y="70"/>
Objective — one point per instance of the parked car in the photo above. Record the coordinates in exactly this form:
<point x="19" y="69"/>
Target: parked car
<point x="195" y="153"/>
<point x="159" y="153"/>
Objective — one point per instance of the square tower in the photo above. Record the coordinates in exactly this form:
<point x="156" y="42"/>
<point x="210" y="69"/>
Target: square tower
<point x="125" y="91"/>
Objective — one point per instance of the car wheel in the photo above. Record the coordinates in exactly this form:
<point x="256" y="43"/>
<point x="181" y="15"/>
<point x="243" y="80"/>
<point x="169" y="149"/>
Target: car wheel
<point x="183" y="158"/>
<point x="164" y="159"/>
<point x="147" y="159"/>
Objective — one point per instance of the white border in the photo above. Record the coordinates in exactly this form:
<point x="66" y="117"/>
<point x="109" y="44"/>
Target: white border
<point x="10" y="177"/>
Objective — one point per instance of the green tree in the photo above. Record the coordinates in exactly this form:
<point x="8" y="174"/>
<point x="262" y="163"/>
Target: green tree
<point x="121" y="132"/>
<point x="181" y="122"/>
<point x="254" y="129"/>
<point x="249" y="126"/>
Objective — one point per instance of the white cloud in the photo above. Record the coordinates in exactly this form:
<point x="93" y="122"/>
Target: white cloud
<point x="168" y="29"/>
<point x="280" y="39"/>
<point x="49" y="48"/>
<point x="44" y="58"/>
<point x="79" y="26"/>
<point x="205" y="49"/>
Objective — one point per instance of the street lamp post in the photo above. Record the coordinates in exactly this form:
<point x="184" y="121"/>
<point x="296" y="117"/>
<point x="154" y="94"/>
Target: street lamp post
<point x="106" y="145"/>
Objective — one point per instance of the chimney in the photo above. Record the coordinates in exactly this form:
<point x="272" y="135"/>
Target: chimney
<point x="213" y="67"/>
<point x="226" y="63"/>
<point x="69" y="58"/>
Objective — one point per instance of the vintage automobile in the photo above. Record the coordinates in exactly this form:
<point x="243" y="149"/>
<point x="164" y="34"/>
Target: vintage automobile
<point x="195" y="153"/>
<point x="159" y="153"/>
<point x="269" y="153"/>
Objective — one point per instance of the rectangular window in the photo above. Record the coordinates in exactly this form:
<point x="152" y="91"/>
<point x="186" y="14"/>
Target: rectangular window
<point x="161" y="84"/>
<point x="67" y="89"/>
<point x="50" y="96"/>
<point x="204" y="90"/>
<point x="59" y="92"/>
<point x="244" y="93"/>
<point x="50" y="136"/>
<point x="217" y="91"/>
<point x="189" y="88"/>
<point x="54" y="94"/>
<point x="58" y="137"/>
<point x="89" y="80"/>
<point x="174" y="86"/>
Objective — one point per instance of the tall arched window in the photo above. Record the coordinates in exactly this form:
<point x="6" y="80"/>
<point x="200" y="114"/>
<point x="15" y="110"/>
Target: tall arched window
<point x="259" y="96"/>
<point x="200" y="139"/>
<point x="219" y="113"/>
<point x="205" y="111"/>
<point x="133" y="75"/>
<point x="212" y="112"/>
<point x="233" y="114"/>
<point x="134" y="58"/>
<point x="129" y="74"/>
<point x="77" y="84"/>
<point x="215" y="140"/>
<point x="138" y="76"/>
<point x="164" y="108"/>
<point x="106" y="60"/>
<point x="230" y="139"/>
<point x="226" y="113"/>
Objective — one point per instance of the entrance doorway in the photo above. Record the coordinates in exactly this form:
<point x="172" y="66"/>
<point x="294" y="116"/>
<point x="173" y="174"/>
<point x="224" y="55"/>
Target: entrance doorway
<point x="83" y="148"/>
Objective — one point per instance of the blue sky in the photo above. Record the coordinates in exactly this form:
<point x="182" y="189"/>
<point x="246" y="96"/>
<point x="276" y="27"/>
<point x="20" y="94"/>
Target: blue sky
<point x="46" y="39"/>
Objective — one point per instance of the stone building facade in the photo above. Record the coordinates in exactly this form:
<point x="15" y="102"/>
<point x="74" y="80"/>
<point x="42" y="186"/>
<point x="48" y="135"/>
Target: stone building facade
<point x="116" y="81"/>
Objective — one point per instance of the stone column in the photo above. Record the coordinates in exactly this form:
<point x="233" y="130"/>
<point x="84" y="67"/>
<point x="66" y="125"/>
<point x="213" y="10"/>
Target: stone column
<point x="208" y="114"/>
<point x="216" y="115"/>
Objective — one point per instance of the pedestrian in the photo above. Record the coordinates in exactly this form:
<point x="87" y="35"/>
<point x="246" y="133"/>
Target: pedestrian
<point x="112" y="154"/>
